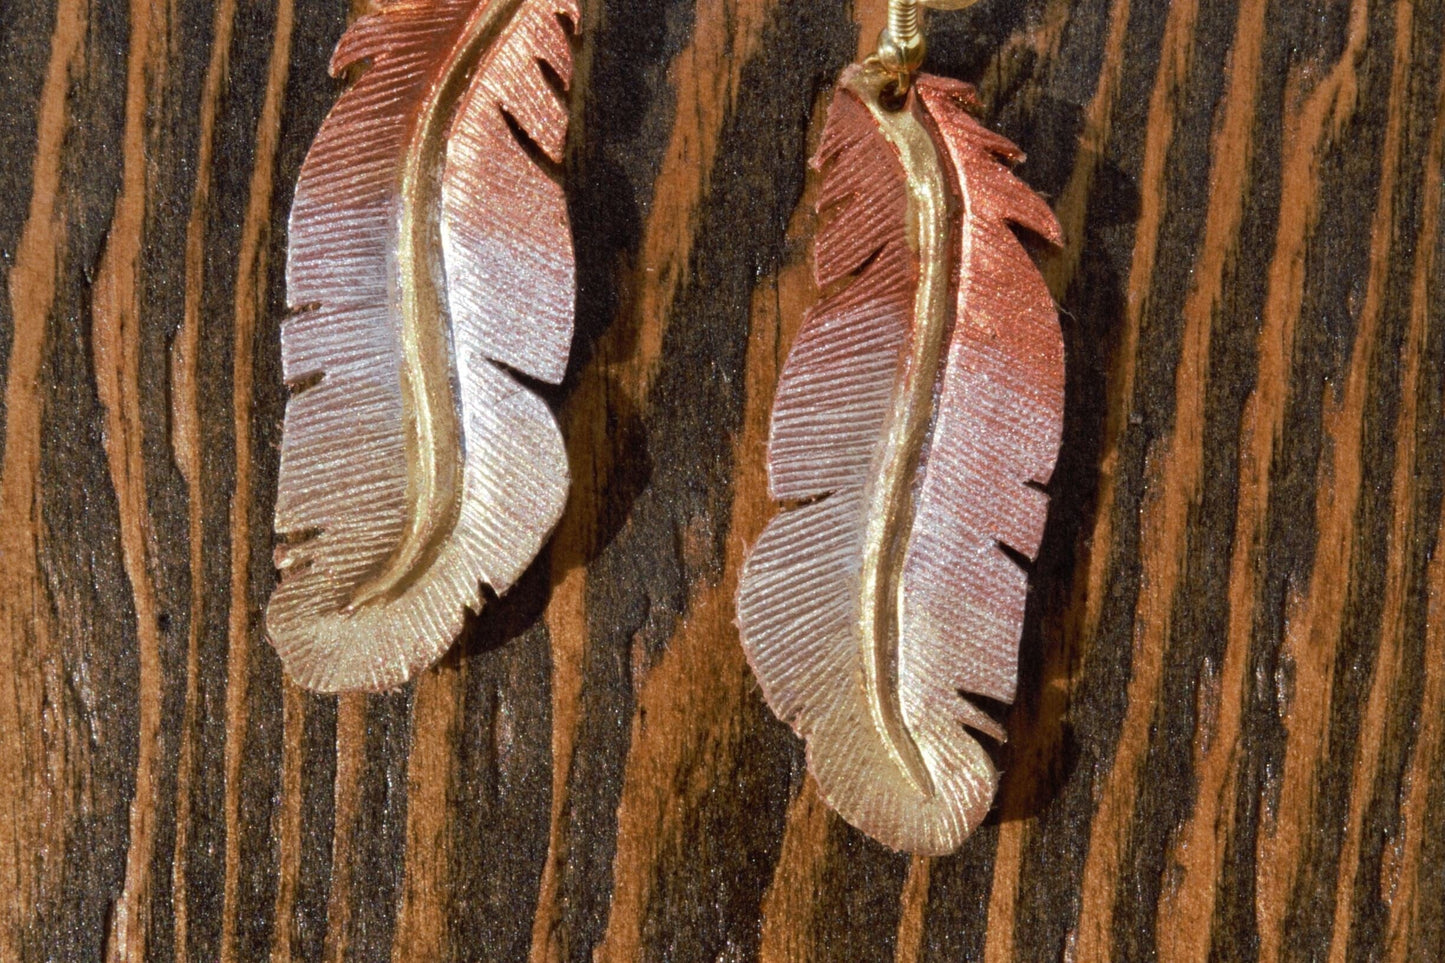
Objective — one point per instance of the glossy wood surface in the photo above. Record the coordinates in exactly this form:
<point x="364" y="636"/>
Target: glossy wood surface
<point x="1230" y="740"/>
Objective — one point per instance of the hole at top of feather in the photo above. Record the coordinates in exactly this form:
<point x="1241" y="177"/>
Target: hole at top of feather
<point x="894" y="96"/>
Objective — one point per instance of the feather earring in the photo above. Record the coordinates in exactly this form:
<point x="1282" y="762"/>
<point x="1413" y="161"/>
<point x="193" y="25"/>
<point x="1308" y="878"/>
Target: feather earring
<point x="917" y="418"/>
<point x="430" y="258"/>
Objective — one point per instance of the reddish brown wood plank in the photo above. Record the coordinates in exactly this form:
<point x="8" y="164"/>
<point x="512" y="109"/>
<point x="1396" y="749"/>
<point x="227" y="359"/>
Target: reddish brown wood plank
<point x="1229" y="738"/>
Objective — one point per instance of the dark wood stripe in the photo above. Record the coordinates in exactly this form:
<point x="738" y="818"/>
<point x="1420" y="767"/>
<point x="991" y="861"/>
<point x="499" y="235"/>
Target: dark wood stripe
<point x="707" y="71"/>
<point x="34" y="818"/>
<point x="623" y="361"/>
<point x="1071" y="205"/>
<point x="350" y="745"/>
<point x="658" y="296"/>
<point x="1177" y="466"/>
<point x="1316" y="618"/>
<point x="1403" y="886"/>
<point x="187" y="444"/>
<point x="1365" y="771"/>
<point x="790" y="905"/>
<point x="1185" y="909"/>
<point x="1199" y="847"/>
<point x="117" y="347"/>
<point x="914" y="906"/>
<point x="1416" y="900"/>
<point x="252" y="282"/>
<point x="695" y="675"/>
<point x="284" y="936"/>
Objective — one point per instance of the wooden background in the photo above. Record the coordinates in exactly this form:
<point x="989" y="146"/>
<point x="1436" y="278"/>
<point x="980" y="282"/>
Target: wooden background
<point x="1231" y="735"/>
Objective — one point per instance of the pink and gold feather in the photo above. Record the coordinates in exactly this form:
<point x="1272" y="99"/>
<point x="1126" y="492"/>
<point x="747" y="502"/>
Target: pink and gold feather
<point x="917" y="418"/>
<point x="430" y="259"/>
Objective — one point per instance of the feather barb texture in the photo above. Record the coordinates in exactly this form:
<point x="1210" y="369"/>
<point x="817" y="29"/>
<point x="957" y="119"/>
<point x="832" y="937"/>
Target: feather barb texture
<point x="429" y="262"/>
<point x="917" y="418"/>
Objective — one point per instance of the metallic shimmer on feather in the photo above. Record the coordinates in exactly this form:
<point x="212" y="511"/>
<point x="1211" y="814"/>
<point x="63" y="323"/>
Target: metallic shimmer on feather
<point x="429" y="253"/>
<point x="917" y="415"/>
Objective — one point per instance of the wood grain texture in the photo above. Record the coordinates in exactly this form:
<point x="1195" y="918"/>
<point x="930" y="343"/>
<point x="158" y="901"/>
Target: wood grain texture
<point x="1230" y="736"/>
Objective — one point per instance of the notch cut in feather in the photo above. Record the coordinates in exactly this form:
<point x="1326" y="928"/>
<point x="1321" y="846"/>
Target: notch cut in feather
<point x="429" y="252"/>
<point x="916" y="419"/>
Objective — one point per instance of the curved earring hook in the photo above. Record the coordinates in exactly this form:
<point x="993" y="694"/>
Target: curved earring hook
<point x="900" y="45"/>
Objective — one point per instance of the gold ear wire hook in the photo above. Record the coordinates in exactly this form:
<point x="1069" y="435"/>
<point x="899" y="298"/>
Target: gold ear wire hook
<point x="900" y="45"/>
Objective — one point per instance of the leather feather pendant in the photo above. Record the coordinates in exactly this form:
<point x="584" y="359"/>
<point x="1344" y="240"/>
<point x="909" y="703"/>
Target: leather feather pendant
<point x="917" y="418"/>
<point x="430" y="257"/>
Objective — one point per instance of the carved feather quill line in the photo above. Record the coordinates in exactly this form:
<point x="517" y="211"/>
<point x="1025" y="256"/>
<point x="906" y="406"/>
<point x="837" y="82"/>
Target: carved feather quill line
<point x="918" y="410"/>
<point x="428" y="253"/>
